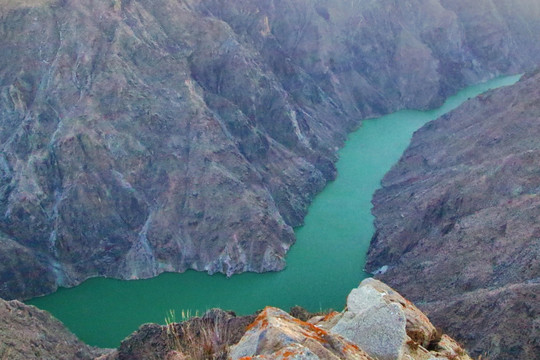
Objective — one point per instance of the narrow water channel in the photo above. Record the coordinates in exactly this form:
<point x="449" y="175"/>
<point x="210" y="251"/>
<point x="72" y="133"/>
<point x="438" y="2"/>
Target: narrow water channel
<point x="323" y="266"/>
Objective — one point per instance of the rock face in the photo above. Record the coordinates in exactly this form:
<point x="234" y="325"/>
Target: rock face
<point x="30" y="333"/>
<point x="458" y="222"/>
<point x="141" y="136"/>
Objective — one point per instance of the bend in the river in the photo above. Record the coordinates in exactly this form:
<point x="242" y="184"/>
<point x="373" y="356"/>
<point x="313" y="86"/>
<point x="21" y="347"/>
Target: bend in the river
<point x="323" y="266"/>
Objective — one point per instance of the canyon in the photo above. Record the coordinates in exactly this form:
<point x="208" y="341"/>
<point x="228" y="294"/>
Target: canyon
<point x="325" y="262"/>
<point x="139" y="137"/>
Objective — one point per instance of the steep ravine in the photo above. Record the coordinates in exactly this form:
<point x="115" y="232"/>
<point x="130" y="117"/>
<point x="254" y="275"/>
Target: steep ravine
<point x="141" y="136"/>
<point x="458" y="222"/>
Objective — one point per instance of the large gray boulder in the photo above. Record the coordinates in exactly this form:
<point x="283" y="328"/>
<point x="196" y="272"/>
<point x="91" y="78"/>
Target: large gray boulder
<point x="388" y="327"/>
<point x="374" y="325"/>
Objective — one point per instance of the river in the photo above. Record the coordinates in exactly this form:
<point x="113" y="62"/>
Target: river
<point x="323" y="266"/>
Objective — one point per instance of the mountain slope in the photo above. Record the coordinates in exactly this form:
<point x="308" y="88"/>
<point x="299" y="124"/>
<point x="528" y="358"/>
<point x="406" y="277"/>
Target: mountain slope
<point x="30" y="333"/>
<point x="142" y="136"/>
<point x="458" y="222"/>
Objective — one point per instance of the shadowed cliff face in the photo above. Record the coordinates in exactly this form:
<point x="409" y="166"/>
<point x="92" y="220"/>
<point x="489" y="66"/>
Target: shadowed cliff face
<point x="146" y="136"/>
<point x="458" y="222"/>
<point x="30" y="333"/>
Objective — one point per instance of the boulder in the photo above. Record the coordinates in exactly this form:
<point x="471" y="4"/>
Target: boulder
<point x="389" y="327"/>
<point x="277" y="335"/>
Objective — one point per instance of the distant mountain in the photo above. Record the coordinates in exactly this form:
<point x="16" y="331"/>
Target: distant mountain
<point x="142" y="136"/>
<point x="458" y="222"/>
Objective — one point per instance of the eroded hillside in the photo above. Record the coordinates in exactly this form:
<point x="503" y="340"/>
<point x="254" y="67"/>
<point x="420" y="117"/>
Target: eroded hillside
<point x="146" y="136"/>
<point x="458" y="222"/>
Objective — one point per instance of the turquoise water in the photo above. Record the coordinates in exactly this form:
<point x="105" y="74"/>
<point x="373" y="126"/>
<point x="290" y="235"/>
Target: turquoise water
<point x="323" y="266"/>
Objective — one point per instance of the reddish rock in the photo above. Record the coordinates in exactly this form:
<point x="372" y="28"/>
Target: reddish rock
<point x="378" y="323"/>
<point x="277" y="335"/>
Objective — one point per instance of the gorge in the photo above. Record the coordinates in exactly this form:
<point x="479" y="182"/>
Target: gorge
<point x="141" y="137"/>
<point x="144" y="137"/>
<point x="323" y="265"/>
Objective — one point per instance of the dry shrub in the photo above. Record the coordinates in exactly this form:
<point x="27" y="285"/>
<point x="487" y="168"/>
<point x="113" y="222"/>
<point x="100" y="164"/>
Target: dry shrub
<point x="200" y="338"/>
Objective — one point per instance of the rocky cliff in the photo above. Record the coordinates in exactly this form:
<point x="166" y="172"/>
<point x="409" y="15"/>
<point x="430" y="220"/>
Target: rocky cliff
<point x="458" y="222"/>
<point x="29" y="333"/>
<point x="141" y="136"/>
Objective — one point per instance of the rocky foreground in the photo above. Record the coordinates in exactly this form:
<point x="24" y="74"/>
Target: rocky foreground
<point x="377" y="324"/>
<point x="142" y="136"/>
<point x="458" y="222"/>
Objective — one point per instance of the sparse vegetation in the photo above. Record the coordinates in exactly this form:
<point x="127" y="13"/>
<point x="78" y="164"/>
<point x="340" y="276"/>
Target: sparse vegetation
<point x="304" y="315"/>
<point x="172" y="333"/>
<point x="198" y="338"/>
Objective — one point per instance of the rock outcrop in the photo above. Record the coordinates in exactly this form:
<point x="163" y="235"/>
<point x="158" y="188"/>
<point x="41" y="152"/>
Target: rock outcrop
<point x="30" y="333"/>
<point x="141" y="136"/>
<point x="277" y="335"/>
<point x="458" y="222"/>
<point x="377" y="324"/>
<point x="207" y="337"/>
<point x="387" y="326"/>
